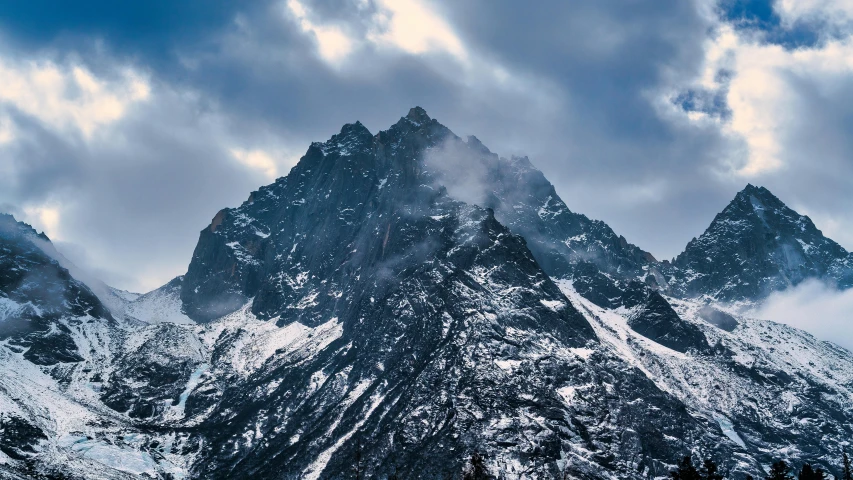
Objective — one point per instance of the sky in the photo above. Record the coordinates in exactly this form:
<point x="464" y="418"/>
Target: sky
<point x="125" y="126"/>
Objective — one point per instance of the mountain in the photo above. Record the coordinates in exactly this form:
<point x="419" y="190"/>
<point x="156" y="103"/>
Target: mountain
<point x="397" y="302"/>
<point x="75" y="373"/>
<point x="39" y="305"/>
<point x="756" y="246"/>
<point x="39" y="297"/>
<point x="442" y="333"/>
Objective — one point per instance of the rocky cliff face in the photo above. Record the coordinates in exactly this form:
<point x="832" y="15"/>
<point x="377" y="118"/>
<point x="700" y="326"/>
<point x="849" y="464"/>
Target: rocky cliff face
<point x="768" y="386"/>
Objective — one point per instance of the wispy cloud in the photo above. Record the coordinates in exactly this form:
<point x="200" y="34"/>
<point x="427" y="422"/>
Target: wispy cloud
<point x="68" y="96"/>
<point x="414" y="27"/>
<point x="332" y="43"/>
<point x="815" y="307"/>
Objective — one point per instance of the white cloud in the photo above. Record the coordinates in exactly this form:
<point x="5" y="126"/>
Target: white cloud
<point x="412" y="26"/>
<point x="333" y="44"/>
<point x="407" y="25"/>
<point x="816" y="308"/>
<point x="44" y="218"/>
<point x="761" y="92"/>
<point x="258" y="160"/>
<point x="6" y="132"/>
<point x="66" y="97"/>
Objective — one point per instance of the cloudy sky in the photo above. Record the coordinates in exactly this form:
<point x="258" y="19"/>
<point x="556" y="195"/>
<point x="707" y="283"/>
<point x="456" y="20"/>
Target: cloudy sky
<point x="125" y="126"/>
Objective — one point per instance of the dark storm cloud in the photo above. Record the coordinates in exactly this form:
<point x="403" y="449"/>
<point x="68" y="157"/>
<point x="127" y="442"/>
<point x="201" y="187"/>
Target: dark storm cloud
<point x="152" y="28"/>
<point x="817" y="177"/>
<point x="43" y="163"/>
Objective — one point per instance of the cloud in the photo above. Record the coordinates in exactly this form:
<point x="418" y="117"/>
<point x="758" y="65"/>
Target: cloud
<point x="6" y="132"/>
<point x="257" y="159"/>
<point x="412" y="26"/>
<point x="763" y="91"/>
<point x="44" y="218"/>
<point x="461" y="170"/>
<point x="835" y="12"/>
<point x="68" y="96"/>
<point x="151" y="30"/>
<point x="333" y="44"/>
<point x="816" y="308"/>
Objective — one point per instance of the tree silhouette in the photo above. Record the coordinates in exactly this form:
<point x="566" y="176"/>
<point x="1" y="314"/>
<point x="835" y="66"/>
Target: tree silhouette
<point x="685" y="470"/>
<point x="779" y="471"/>
<point x="710" y="471"/>
<point x="809" y="473"/>
<point x="357" y="467"/>
<point x="476" y="469"/>
<point x="848" y="470"/>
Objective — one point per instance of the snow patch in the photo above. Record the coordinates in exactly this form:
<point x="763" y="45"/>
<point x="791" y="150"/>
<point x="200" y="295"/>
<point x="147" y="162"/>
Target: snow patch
<point x="123" y="459"/>
<point x="193" y="382"/>
<point x="567" y="393"/>
<point x="555" y="305"/>
<point x="729" y="430"/>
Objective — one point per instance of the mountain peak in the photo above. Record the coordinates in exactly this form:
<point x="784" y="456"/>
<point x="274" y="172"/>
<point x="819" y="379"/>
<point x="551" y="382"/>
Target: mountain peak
<point x="477" y="145"/>
<point x="758" y="245"/>
<point x="9" y="226"/>
<point x="353" y="130"/>
<point x="758" y="192"/>
<point x="7" y="222"/>
<point x="751" y="189"/>
<point x="418" y="115"/>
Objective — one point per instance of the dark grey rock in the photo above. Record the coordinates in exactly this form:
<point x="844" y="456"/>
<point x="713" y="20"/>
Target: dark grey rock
<point x="719" y="319"/>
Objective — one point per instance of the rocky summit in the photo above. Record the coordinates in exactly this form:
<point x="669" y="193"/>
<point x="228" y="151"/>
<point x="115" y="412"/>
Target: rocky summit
<point x="756" y="246"/>
<point x="403" y="300"/>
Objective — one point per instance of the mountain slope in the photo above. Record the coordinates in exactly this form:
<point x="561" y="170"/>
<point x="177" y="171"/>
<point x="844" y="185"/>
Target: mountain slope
<point x="59" y="346"/>
<point x="775" y="391"/>
<point x="38" y="297"/>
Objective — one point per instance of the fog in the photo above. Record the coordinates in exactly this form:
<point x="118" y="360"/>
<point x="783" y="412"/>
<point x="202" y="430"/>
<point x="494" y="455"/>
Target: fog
<point x="815" y="307"/>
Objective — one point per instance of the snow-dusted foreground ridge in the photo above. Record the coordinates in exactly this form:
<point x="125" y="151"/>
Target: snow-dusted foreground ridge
<point x="356" y="308"/>
<point x="765" y="381"/>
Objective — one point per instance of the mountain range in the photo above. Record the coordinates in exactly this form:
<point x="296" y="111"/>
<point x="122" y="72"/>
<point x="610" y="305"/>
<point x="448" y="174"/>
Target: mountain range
<point x="404" y="299"/>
